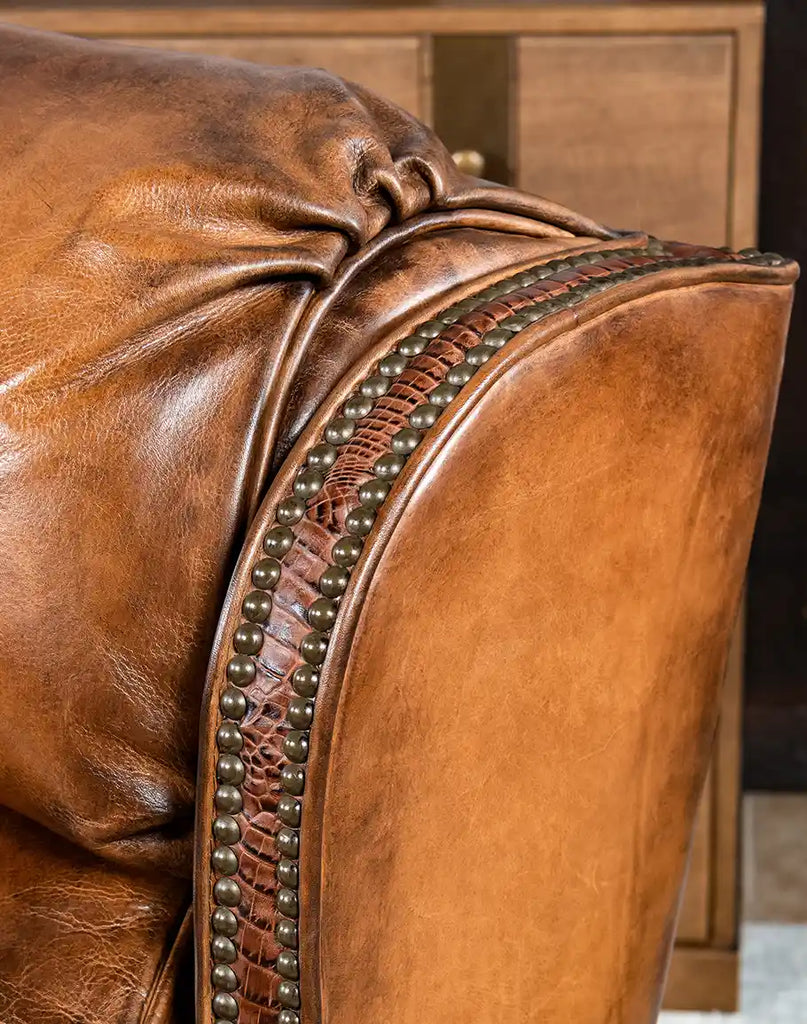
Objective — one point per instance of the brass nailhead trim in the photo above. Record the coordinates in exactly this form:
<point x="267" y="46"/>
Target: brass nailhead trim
<point x="248" y="637"/>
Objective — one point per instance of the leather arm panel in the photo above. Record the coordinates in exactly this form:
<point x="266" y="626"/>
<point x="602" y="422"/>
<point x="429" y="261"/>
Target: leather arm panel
<point x="271" y="733"/>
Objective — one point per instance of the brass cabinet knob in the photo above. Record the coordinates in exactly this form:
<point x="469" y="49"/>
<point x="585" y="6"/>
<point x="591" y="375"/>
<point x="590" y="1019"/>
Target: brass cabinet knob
<point x="470" y="161"/>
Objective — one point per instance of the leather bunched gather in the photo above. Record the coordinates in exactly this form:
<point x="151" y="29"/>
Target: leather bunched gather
<point x="582" y="276"/>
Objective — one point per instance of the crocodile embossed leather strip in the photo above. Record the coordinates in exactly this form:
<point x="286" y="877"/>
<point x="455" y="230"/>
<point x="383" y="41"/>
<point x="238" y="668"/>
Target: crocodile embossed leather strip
<point x="268" y="700"/>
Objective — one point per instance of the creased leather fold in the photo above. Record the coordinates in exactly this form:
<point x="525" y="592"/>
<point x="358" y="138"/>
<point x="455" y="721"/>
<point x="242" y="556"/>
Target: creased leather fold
<point x="167" y="221"/>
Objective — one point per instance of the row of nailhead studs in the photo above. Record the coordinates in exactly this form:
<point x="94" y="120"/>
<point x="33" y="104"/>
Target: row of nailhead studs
<point x="256" y="607"/>
<point x="761" y="259"/>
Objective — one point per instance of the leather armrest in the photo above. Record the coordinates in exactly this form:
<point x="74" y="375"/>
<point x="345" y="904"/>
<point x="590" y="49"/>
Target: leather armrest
<point x="463" y="692"/>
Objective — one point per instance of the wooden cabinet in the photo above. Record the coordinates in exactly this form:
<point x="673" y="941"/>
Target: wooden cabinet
<point x="643" y="115"/>
<point x="644" y="119"/>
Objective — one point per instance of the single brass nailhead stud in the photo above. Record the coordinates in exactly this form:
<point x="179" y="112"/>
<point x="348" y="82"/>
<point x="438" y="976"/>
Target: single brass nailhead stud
<point x="460" y="374"/>
<point x="223" y="977"/>
<point x="292" y="778"/>
<point x="286" y="934"/>
<point x="230" y="768"/>
<point x="388" y="466"/>
<point x="287" y="842"/>
<point x="288" y="873"/>
<point x="479" y="354"/>
<point x="333" y="582"/>
<point x="248" y="638"/>
<point x="497" y="337"/>
<point x="359" y="521"/>
<point x="295" y="746"/>
<point x="305" y="680"/>
<point x="340" y="430"/>
<point x="227" y="892"/>
<point x="226" y="830"/>
<point x="430" y="329"/>
<point x="225" y="1006"/>
<point x="424" y="416"/>
<point x="307" y="483"/>
<point x="314" y="647"/>
<point x="373" y="492"/>
<point x="289" y="810"/>
<point x="322" y="456"/>
<point x="357" y="407"/>
<point x="322" y="613"/>
<point x="375" y="387"/>
<point x="224" y="861"/>
<point x="279" y="540"/>
<point x="406" y="440"/>
<point x="288" y="995"/>
<point x="223" y="950"/>
<point x="444" y="394"/>
<point x="224" y="922"/>
<point x="256" y="606"/>
<point x="300" y="713"/>
<point x="346" y="551"/>
<point x="290" y="511"/>
<point x="233" y="703"/>
<point x="287" y="902"/>
<point x="266" y="573"/>
<point x="412" y="346"/>
<point x="287" y="966"/>
<point x="229" y="738"/>
<point x="228" y="799"/>
<point x="241" y="670"/>
<point x="392" y="365"/>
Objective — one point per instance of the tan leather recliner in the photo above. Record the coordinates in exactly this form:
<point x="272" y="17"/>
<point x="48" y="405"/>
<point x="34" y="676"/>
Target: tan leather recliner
<point x="430" y="499"/>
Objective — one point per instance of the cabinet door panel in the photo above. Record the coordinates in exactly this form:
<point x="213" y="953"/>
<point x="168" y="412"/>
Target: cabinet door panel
<point x="391" y="66"/>
<point x="632" y="130"/>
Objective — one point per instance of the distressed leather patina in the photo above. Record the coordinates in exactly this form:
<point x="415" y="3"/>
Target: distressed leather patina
<point x="202" y="261"/>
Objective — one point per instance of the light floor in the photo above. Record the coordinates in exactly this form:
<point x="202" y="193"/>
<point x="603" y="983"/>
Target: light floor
<point x="773" y="985"/>
<point x="773" y="973"/>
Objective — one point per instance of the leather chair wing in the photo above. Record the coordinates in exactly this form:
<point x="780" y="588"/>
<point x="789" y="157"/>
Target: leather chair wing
<point x="373" y="538"/>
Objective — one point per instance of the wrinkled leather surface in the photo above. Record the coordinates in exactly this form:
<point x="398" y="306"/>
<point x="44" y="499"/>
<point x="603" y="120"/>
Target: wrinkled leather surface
<point x="194" y="252"/>
<point x="154" y="274"/>
<point x="82" y="939"/>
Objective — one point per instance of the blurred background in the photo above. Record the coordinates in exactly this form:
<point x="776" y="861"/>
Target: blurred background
<point x="689" y="120"/>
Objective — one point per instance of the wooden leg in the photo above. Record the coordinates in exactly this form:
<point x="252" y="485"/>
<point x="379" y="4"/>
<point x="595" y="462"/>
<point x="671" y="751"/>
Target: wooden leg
<point x="705" y="963"/>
